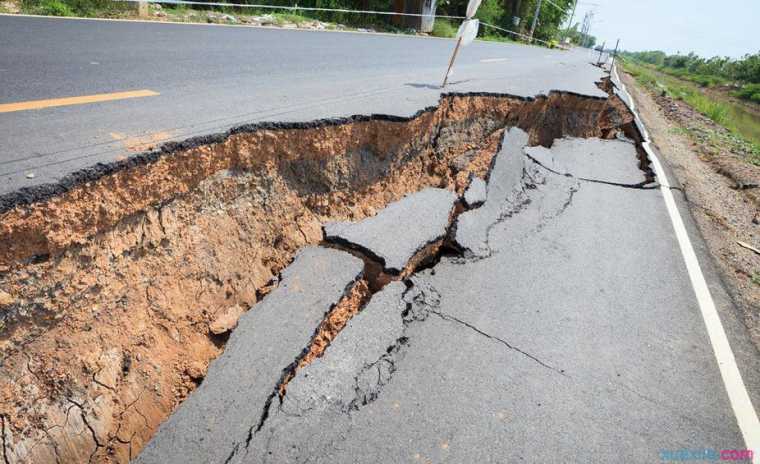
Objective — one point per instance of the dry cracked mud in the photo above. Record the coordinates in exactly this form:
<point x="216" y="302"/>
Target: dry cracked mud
<point x="119" y="285"/>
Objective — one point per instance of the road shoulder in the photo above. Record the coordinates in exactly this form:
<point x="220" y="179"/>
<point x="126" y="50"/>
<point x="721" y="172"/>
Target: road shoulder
<point x="715" y="216"/>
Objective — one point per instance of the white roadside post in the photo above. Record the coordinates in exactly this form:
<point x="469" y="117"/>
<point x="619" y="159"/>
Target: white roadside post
<point x="465" y="35"/>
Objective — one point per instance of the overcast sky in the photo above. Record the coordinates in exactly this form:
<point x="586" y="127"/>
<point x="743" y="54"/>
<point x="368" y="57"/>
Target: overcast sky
<point x="706" y="27"/>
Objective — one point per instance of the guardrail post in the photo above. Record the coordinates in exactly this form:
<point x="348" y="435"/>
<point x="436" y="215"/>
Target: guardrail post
<point x="601" y="50"/>
<point x="614" y="55"/>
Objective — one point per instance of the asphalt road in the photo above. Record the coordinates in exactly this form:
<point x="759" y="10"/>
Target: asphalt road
<point x="213" y="77"/>
<point x="569" y="331"/>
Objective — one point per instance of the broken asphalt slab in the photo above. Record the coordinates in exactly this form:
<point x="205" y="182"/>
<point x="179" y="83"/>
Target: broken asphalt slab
<point x="335" y="377"/>
<point x="503" y="192"/>
<point x="554" y="345"/>
<point x="398" y="232"/>
<point x="219" y="416"/>
<point x="556" y="333"/>
<point x="596" y="160"/>
<point x="320" y="397"/>
<point x="476" y="193"/>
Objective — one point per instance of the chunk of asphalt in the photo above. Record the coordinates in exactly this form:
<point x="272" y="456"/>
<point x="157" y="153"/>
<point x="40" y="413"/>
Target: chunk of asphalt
<point x="314" y="411"/>
<point x="545" y="157"/>
<point x="475" y="194"/>
<point x="364" y="340"/>
<point x="609" y="161"/>
<point x="504" y="188"/>
<point x="218" y="417"/>
<point x="399" y="231"/>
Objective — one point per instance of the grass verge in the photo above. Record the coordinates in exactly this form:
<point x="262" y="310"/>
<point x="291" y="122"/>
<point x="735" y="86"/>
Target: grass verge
<point x="742" y="135"/>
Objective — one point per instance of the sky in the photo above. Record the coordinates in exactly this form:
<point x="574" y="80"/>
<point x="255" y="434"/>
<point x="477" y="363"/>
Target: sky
<point x="706" y="27"/>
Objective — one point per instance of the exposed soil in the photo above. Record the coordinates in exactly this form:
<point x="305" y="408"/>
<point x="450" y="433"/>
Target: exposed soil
<point x="338" y="317"/>
<point x="120" y="285"/>
<point x="721" y="188"/>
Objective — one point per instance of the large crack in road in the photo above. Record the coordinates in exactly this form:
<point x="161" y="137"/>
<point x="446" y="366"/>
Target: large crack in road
<point x="153" y="260"/>
<point x="313" y="415"/>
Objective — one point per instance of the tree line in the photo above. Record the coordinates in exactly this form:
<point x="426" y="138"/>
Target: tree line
<point x="743" y="70"/>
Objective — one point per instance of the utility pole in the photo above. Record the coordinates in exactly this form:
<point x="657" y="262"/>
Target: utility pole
<point x="614" y="55"/>
<point x="570" y="23"/>
<point x="586" y="28"/>
<point x="601" y="50"/>
<point x="535" y="20"/>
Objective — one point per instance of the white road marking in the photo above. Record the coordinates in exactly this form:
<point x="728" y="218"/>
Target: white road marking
<point x="745" y="413"/>
<point x="493" y="60"/>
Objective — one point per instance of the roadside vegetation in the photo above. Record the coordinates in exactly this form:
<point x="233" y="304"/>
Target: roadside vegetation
<point x="740" y="77"/>
<point x="512" y="15"/>
<point x="743" y="127"/>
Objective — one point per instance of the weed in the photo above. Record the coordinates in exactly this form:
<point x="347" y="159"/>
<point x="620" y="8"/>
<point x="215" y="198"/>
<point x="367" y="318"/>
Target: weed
<point x="443" y="28"/>
<point x="740" y="136"/>
<point x="53" y="8"/>
<point x="496" y="38"/>
<point x="749" y="92"/>
<point x="283" y="18"/>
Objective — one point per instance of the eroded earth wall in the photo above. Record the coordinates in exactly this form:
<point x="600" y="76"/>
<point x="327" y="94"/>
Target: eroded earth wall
<point x="121" y="284"/>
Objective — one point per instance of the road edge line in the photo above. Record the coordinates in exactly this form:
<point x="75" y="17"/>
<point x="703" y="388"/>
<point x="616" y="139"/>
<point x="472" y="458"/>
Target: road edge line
<point x="738" y="396"/>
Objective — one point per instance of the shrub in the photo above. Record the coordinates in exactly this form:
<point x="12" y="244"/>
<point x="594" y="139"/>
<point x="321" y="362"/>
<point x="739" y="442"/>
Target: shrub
<point x="53" y="8"/>
<point x="749" y="92"/>
<point x="75" y="7"/>
<point x="443" y="28"/>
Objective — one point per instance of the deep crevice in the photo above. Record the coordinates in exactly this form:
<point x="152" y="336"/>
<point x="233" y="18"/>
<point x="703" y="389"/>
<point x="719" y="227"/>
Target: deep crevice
<point x="70" y="220"/>
<point x="354" y="288"/>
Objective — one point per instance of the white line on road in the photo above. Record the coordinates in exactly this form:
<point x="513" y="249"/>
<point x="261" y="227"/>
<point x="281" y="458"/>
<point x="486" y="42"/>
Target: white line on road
<point x="745" y="413"/>
<point x="493" y="60"/>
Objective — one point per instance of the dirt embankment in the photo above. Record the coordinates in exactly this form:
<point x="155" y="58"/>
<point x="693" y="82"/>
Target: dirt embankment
<point x="722" y="188"/>
<point x="117" y="290"/>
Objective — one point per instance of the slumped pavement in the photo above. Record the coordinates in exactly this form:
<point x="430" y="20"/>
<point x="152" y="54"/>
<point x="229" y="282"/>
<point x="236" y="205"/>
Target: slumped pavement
<point x="543" y="342"/>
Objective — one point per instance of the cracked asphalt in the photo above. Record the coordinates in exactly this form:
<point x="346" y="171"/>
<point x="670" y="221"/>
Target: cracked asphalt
<point x="566" y="330"/>
<point x="211" y="78"/>
<point x="563" y="329"/>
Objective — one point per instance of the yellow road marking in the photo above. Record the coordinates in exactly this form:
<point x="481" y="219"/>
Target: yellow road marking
<point x="101" y="97"/>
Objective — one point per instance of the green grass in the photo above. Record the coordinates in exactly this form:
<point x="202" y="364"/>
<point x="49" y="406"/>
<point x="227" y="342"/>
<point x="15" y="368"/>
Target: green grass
<point x="749" y="92"/>
<point x="680" y="90"/>
<point x="443" y="28"/>
<point x="703" y="80"/>
<point x="84" y="8"/>
<point x="50" y="8"/>
<point x="756" y="278"/>
<point x="742" y="133"/>
<point x="496" y="38"/>
<point x="283" y="18"/>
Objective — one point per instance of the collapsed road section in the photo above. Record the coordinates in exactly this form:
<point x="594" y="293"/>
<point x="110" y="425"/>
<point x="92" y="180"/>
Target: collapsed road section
<point x="123" y="282"/>
<point x="337" y="408"/>
<point x="492" y="357"/>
